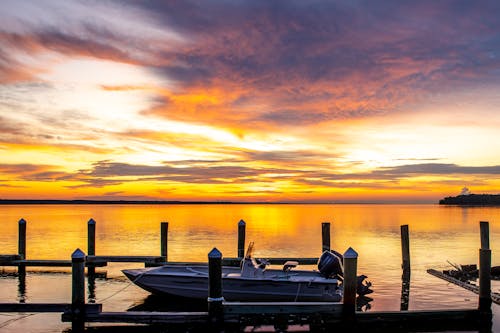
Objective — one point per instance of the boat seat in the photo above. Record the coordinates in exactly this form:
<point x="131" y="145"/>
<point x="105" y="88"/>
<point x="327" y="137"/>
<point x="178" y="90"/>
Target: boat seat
<point x="233" y="275"/>
<point x="289" y="265"/>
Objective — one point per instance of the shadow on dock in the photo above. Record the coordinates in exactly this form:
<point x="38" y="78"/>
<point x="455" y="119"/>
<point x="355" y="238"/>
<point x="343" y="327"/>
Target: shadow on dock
<point x="168" y="303"/>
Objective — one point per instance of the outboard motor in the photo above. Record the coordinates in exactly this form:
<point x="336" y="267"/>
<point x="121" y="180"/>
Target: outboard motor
<point x="341" y="257"/>
<point x="330" y="265"/>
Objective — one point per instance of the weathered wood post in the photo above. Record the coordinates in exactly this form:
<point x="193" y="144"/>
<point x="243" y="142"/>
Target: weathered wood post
<point x="350" y="283"/>
<point x="241" y="239"/>
<point x="325" y="236"/>
<point x="484" y="227"/>
<point x="405" y="283"/>
<point x="91" y="237"/>
<point x="215" y="299"/>
<point x="164" y="240"/>
<point x="21" y="244"/>
<point x="405" y="248"/>
<point x="485" y="272"/>
<point x="91" y="244"/>
<point x="78" y="291"/>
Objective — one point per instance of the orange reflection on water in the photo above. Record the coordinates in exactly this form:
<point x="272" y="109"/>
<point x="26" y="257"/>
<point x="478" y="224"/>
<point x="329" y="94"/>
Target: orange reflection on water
<point x="54" y="231"/>
<point x="437" y="234"/>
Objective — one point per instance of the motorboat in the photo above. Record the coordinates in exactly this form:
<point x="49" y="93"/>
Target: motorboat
<point x="253" y="281"/>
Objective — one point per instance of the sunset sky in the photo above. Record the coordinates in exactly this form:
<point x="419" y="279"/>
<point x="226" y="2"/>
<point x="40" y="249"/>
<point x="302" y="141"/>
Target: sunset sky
<point x="297" y="101"/>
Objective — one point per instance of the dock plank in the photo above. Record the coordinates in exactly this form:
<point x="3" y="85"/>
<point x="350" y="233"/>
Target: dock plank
<point x="45" y="263"/>
<point x="236" y="262"/>
<point x="9" y="257"/>
<point x="272" y="261"/>
<point x="436" y="320"/>
<point x="245" y="308"/>
<point x="495" y="297"/>
<point x="45" y="307"/>
<point x="142" y="259"/>
<point x="141" y="317"/>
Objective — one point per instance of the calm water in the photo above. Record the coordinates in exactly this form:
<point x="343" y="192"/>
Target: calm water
<point x="437" y="235"/>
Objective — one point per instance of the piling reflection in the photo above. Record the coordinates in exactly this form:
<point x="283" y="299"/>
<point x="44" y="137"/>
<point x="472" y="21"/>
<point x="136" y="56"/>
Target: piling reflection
<point x="405" y="293"/>
<point x="21" y="287"/>
<point x="91" y="276"/>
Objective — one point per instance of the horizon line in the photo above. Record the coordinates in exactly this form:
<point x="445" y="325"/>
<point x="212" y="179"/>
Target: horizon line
<point x="180" y="202"/>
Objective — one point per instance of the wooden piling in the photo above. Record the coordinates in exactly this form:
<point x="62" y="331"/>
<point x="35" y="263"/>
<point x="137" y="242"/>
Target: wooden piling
<point x="78" y="291"/>
<point x="405" y="249"/>
<point x="22" y="239"/>
<point x="484" y="227"/>
<point x="350" y="283"/>
<point x="21" y="245"/>
<point x="91" y="246"/>
<point x="325" y="236"/>
<point x="485" y="270"/>
<point x="215" y="299"/>
<point x="241" y="239"/>
<point x="164" y="240"/>
<point x="91" y="237"/>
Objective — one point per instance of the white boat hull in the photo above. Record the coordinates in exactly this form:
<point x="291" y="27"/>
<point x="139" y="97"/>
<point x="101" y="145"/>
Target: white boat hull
<point x="271" y="285"/>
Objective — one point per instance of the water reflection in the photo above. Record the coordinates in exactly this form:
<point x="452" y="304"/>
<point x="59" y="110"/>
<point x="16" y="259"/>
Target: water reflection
<point x="169" y="303"/>
<point x="405" y="294"/>
<point x="21" y="286"/>
<point x="437" y="234"/>
<point x="91" y="285"/>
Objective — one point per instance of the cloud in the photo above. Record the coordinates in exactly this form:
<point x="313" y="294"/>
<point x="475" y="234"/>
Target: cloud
<point x="50" y="40"/>
<point x="187" y="174"/>
<point x="296" y="157"/>
<point x="292" y="63"/>
<point x="438" y="169"/>
<point x="265" y="179"/>
<point x="304" y="63"/>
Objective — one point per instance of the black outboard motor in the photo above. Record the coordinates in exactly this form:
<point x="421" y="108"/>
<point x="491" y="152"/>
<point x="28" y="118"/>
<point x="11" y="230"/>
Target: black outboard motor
<point x="341" y="257"/>
<point x="330" y="265"/>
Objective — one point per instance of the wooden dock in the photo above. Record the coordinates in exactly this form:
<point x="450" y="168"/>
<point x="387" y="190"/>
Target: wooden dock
<point x="495" y="297"/>
<point x="224" y="316"/>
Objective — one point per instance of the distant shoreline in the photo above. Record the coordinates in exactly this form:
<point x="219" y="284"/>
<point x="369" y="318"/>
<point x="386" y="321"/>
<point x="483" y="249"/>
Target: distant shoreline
<point x="140" y="202"/>
<point x="179" y="202"/>
<point x="472" y="200"/>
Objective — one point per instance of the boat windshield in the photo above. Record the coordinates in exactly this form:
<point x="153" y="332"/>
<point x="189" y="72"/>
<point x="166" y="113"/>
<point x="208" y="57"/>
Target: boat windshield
<point x="249" y="253"/>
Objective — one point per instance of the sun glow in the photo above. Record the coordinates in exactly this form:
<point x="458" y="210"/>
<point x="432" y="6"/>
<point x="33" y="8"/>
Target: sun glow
<point x="140" y="102"/>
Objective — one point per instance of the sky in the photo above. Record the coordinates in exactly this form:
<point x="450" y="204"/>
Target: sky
<point x="272" y="101"/>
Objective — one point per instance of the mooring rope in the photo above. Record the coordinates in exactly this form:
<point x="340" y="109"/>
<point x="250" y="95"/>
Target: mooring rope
<point x="8" y="322"/>
<point x="115" y="293"/>
<point x="298" y="292"/>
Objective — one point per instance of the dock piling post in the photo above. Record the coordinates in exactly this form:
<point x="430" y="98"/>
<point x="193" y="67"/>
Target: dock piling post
<point x="325" y="236"/>
<point x="22" y="239"/>
<point x="91" y="237"/>
<point x="91" y="244"/>
<point x="405" y="248"/>
<point x="215" y="299"/>
<point x="241" y="239"/>
<point x="484" y="227"/>
<point x="164" y="240"/>
<point x="485" y="271"/>
<point x="350" y="283"/>
<point x="78" y="291"/>
<point x="21" y="245"/>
